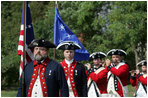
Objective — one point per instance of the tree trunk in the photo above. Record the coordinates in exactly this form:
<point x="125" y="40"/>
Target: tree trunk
<point x="136" y="57"/>
<point x="145" y="51"/>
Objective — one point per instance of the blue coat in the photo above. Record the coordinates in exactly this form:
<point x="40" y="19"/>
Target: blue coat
<point x="79" y="76"/>
<point x="54" y="82"/>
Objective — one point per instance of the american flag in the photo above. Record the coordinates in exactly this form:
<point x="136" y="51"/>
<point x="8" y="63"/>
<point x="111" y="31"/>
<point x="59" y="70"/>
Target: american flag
<point x="29" y="38"/>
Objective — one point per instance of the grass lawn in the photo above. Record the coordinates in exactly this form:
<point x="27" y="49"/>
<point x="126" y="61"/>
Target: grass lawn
<point x="131" y="90"/>
<point x="8" y="93"/>
<point x="13" y="93"/>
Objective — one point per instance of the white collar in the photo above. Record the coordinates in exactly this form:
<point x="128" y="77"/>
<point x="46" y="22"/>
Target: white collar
<point x="144" y="74"/>
<point x="97" y="66"/>
<point x="69" y="62"/>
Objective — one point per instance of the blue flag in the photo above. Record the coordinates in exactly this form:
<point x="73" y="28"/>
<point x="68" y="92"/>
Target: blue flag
<point x="29" y="26"/>
<point x="63" y="33"/>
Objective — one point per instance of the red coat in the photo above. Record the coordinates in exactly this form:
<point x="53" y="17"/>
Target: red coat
<point x="134" y="80"/>
<point x="122" y="73"/>
<point x="100" y="79"/>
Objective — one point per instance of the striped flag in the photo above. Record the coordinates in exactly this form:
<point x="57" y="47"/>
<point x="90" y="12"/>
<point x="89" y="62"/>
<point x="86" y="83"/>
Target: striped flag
<point x="29" y="37"/>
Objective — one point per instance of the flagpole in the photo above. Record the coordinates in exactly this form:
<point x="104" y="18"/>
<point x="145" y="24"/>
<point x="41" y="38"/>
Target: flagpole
<point x="54" y="53"/>
<point x="56" y="4"/>
<point x="24" y="53"/>
<point x="54" y="50"/>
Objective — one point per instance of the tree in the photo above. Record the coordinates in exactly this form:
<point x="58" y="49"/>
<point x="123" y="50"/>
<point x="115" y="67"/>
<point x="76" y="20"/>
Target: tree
<point x="127" y="28"/>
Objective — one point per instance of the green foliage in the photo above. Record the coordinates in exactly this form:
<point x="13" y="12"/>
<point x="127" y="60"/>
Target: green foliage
<point x="127" y="25"/>
<point x="9" y="31"/>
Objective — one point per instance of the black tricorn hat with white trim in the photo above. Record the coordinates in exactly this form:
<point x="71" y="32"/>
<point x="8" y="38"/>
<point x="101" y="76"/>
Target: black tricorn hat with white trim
<point x="41" y="43"/>
<point x="96" y="55"/>
<point x="116" y="52"/>
<point x="142" y="63"/>
<point x="68" y="45"/>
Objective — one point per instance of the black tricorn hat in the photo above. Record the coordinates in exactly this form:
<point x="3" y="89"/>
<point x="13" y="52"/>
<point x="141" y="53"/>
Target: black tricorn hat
<point x="41" y="43"/>
<point x="116" y="52"/>
<point x="68" y="45"/>
<point x="142" y="63"/>
<point x="96" y="55"/>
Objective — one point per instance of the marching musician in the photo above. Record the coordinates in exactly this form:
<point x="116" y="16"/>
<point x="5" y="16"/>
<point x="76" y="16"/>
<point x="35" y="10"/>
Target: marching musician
<point x="117" y="74"/>
<point x="97" y="77"/>
<point x="139" y="79"/>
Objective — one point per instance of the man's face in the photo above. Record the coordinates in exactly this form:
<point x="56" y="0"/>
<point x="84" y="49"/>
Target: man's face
<point x="116" y="59"/>
<point x="144" y="68"/>
<point x="97" y="62"/>
<point x="68" y="54"/>
<point x="40" y="53"/>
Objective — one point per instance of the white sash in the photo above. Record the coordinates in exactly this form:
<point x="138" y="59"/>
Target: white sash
<point x="111" y="87"/>
<point x="142" y="89"/>
<point x="93" y="90"/>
